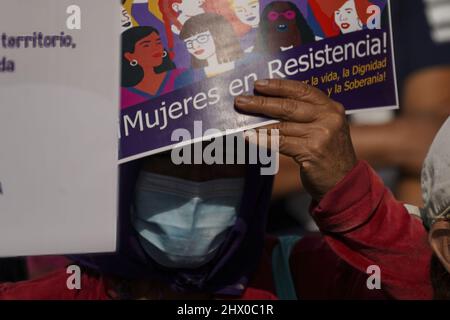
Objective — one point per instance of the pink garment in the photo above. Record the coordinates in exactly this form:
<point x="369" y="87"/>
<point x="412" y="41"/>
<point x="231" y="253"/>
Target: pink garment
<point x="131" y="96"/>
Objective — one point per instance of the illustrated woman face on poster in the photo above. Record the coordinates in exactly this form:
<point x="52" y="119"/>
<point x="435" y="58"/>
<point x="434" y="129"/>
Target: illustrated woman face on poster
<point x="180" y="11"/>
<point x="247" y="11"/>
<point x="212" y="43"/>
<point x="145" y="62"/>
<point x="345" y="16"/>
<point x="347" y="19"/>
<point x="148" y="52"/>
<point x="201" y="46"/>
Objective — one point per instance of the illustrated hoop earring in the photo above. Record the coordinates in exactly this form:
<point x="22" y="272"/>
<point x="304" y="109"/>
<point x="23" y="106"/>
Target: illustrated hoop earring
<point x="165" y="54"/>
<point x="133" y="63"/>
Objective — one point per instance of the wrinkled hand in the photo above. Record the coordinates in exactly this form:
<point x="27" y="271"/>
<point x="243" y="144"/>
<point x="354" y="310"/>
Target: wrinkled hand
<point x="313" y="130"/>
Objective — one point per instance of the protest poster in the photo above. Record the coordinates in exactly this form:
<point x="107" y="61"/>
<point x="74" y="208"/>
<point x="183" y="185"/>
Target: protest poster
<point x="181" y="61"/>
<point x="59" y="101"/>
<point x="184" y="62"/>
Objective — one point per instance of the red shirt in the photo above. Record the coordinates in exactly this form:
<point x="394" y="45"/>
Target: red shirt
<point x="361" y="225"/>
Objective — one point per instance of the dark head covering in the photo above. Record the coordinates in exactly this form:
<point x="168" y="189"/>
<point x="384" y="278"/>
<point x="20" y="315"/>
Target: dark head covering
<point x="228" y="273"/>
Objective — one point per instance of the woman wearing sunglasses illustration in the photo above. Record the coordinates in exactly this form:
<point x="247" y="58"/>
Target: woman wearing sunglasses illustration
<point x="282" y="27"/>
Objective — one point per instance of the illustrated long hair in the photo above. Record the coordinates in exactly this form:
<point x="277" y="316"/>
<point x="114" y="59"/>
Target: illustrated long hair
<point x="228" y="47"/>
<point x="131" y="76"/>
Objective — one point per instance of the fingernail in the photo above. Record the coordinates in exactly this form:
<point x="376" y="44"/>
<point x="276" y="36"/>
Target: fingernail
<point x="262" y="83"/>
<point x="243" y="100"/>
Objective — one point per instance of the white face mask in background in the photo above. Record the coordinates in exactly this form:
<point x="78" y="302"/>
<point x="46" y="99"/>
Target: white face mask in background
<point x="181" y="223"/>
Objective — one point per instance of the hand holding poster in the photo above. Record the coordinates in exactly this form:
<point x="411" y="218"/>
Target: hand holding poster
<point x="185" y="61"/>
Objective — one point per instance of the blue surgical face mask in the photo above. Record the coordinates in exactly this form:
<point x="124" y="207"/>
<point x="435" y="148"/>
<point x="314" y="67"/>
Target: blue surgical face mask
<point x="181" y="223"/>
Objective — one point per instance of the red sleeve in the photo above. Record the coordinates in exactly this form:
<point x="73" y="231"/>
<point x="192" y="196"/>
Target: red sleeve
<point x="54" y="287"/>
<point x="364" y="225"/>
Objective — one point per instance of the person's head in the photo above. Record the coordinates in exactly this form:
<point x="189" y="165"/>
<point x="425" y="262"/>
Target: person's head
<point x="142" y="50"/>
<point x="436" y="213"/>
<point x="344" y="16"/>
<point x="283" y="26"/>
<point x="208" y="35"/>
<point x="247" y="11"/>
<point x="183" y="213"/>
<point x="194" y="228"/>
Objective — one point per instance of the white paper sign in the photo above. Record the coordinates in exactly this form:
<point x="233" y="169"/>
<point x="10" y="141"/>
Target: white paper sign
<point x="59" y="104"/>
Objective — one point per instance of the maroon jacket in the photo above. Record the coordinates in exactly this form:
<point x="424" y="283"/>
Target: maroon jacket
<point x="361" y="225"/>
